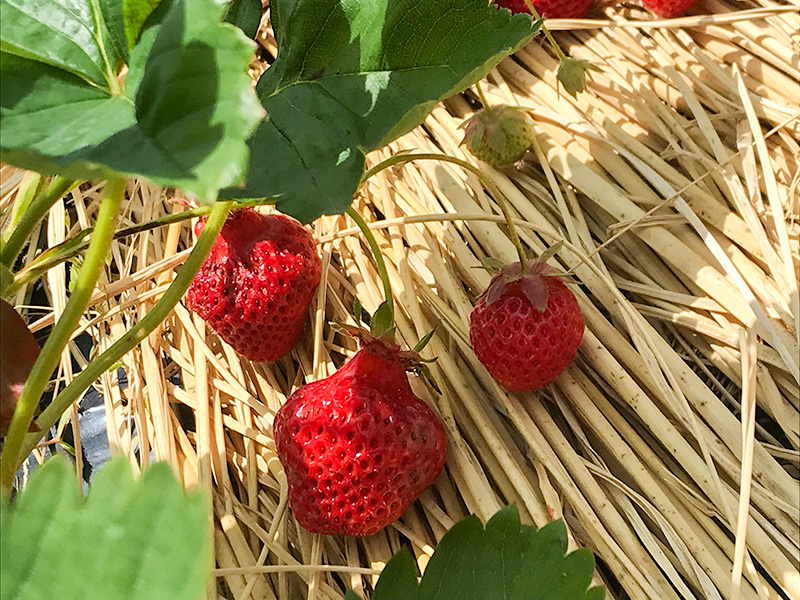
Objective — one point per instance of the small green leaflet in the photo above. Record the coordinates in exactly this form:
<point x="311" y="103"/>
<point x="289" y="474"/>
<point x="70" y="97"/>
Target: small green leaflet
<point x="505" y="561"/>
<point x="182" y="118"/>
<point x="130" y="540"/>
<point x="352" y="75"/>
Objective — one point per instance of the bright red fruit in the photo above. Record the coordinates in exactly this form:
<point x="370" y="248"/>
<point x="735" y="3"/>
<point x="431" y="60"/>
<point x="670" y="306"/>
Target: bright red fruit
<point x="526" y="329"/>
<point x="668" y="8"/>
<point x="358" y="447"/>
<point x="256" y="284"/>
<point x="553" y="9"/>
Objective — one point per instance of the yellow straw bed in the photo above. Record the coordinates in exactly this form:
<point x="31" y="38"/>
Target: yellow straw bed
<point x="670" y="447"/>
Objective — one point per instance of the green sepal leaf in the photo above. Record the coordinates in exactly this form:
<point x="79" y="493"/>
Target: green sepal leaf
<point x="353" y="75"/>
<point x="572" y="74"/>
<point x="358" y="310"/>
<point x="246" y="15"/>
<point x="181" y="120"/>
<point x="382" y="322"/>
<point x="129" y="539"/>
<point x="425" y="339"/>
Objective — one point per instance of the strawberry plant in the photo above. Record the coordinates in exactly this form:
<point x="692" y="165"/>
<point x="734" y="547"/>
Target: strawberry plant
<point x="160" y="91"/>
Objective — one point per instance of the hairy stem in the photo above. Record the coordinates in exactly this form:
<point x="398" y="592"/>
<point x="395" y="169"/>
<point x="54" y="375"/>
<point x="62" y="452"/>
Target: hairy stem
<point x="482" y="97"/>
<point x="138" y="332"/>
<point x="34" y="213"/>
<point x="546" y="31"/>
<point x="487" y="183"/>
<point x="62" y="331"/>
<point x="376" y="252"/>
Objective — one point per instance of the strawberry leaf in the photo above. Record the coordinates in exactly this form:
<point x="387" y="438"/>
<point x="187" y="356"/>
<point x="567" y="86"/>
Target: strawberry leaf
<point x="504" y="561"/>
<point x="246" y="15"/>
<point x="352" y="75"/>
<point x="181" y="119"/>
<point x="128" y="540"/>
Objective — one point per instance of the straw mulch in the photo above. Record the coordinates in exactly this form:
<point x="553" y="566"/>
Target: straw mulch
<point x="674" y="183"/>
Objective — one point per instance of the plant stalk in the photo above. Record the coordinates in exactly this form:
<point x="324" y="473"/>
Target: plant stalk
<point x="487" y="183"/>
<point x="482" y="97"/>
<point x="546" y="31"/>
<point x="376" y="252"/>
<point x="29" y="188"/>
<point x="48" y="358"/>
<point x="74" y="245"/>
<point x="34" y="213"/>
<point x="138" y="332"/>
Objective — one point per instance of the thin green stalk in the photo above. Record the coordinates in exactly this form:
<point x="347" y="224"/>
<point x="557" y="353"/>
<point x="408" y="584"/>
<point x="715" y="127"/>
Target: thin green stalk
<point x="482" y="96"/>
<point x="140" y="331"/>
<point x="62" y="331"/>
<point x="376" y="252"/>
<point x="487" y="183"/>
<point x="74" y="245"/>
<point x="28" y="220"/>
<point x="546" y="31"/>
<point x="29" y="188"/>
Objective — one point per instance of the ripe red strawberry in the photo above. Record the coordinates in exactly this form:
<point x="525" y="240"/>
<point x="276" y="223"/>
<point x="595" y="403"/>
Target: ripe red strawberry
<point x="256" y="284"/>
<point x="668" y="8"/>
<point x="526" y="329"/>
<point x="553" y="9"/>
<point x="358" y="447"/>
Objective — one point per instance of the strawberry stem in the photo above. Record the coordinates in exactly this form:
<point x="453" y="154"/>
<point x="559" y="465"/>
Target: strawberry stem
<point x="122" y="346"/>
<point x="487" y="183"/>
<point x="482" y="96"/>
<point x="59" y="337"/>
<point x="75" y="244"/>
<point x="32" y="215"/>
<point x="376" y="252"/>
<point x="546" y="31"/>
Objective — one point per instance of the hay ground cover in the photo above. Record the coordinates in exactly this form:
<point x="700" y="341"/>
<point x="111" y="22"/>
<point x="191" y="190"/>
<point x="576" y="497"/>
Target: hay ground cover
<point x="670" y="447"/>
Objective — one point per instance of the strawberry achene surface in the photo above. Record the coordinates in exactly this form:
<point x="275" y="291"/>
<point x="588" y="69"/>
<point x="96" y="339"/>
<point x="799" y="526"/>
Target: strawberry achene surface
<point x="522" y="347"/>
<point x="668" y="8"/>
<point x="256" y="284"/>
<point x="554" y="9"/>
<point x="358" y="447"/>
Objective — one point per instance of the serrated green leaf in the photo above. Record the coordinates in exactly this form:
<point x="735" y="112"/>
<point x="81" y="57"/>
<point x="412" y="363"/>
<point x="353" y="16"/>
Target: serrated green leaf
<point x="113" y="23"/>
<point x="398" y="580"/>
<point x="135" y="14"/>
<point x="181" y="120"/>
<point x="352" y="75"/>
<point x="129" y="540"/>
<point x="246" y="15"/>
<point x="73" y="42"/>
<point x="504" y="561"/>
